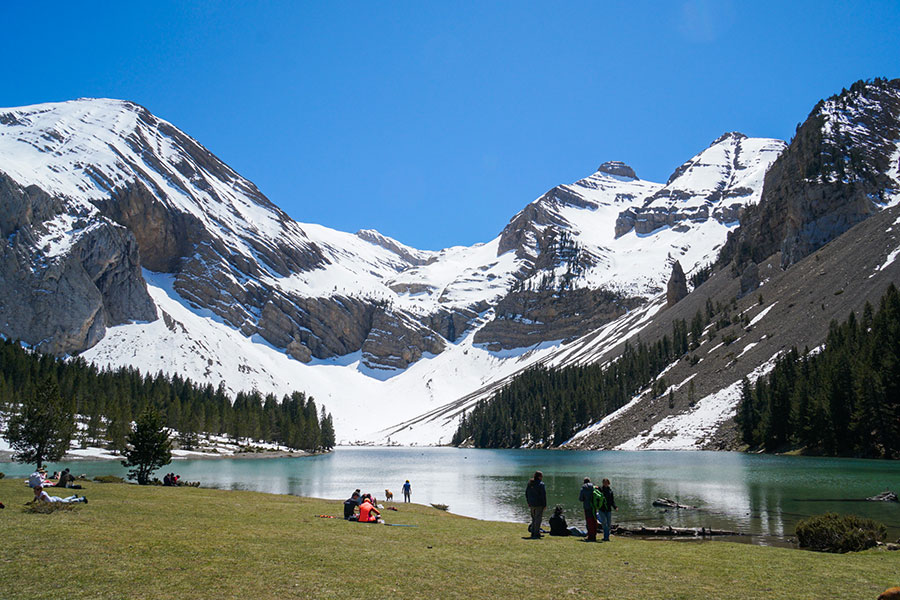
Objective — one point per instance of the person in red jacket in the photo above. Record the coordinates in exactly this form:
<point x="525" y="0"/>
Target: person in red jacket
<point x="367" y="512"/>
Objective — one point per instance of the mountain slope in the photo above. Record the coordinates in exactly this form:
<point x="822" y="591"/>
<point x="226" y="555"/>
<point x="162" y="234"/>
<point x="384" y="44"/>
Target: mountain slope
<point x="837" y="227"/>
<point x="233" y="290"/>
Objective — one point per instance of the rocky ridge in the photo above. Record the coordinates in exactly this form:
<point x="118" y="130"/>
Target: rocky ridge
<point x="716" y="184"/>
<point x="840" y="168"/>
<point x="314" y="292"/>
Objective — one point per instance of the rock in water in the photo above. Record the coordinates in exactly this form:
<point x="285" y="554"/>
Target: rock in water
<point x="668" y="503"/>
<point x="677" y="287"/>
<point x="886" y="496"/>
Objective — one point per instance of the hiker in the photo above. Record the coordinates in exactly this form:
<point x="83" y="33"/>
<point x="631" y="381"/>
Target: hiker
<point x="40" y="494"/>
<point x="605" y="508"/>
<point x="536" y="496"/>
<point x="586" y="496"/>
<point x="407" y="491"/>
<point x="559" y="527"/>
<point x="367" y="511"/>
<point x="350" y="506"/>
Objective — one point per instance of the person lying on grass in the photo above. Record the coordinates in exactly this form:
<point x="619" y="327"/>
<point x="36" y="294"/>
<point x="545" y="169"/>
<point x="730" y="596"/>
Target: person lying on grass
<point x="40" y="494"/>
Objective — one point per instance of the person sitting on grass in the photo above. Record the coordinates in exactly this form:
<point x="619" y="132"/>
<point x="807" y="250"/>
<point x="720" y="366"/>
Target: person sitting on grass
<point x="66" y="480"/>
<point x="39" y="477"/>
<point x="350" y="506"/>
<point x="40" y="494"/>
<point x="367" y="511"/>
<point x="558" y="525"/>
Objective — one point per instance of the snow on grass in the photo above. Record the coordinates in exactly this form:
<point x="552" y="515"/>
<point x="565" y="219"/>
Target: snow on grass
<point x="689" y="431"/>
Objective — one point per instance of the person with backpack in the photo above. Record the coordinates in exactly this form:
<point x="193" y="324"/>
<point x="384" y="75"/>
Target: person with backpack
<point x="536" y="497"/>
<point x="605" y="503"/>
<point x="586" y="497"/>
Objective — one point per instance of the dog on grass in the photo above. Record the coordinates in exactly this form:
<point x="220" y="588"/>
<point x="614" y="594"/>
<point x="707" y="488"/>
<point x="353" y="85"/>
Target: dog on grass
<point x="388" y="496"/>
<point x="890" y="594"/>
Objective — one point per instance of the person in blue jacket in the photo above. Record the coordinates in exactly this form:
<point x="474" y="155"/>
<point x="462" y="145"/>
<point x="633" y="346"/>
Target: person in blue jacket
<point x="407" y="490"/>
<point x="536" y="496"/>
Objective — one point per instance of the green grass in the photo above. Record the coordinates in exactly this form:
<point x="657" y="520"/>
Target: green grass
<point x="161" y="542"/>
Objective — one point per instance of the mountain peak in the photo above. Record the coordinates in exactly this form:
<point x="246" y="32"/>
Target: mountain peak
<point x="617" y="168"/>
<point x="728" y="136"/>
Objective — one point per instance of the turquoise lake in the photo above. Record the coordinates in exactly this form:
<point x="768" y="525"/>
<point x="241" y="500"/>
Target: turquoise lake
<point x="760" y="495"/>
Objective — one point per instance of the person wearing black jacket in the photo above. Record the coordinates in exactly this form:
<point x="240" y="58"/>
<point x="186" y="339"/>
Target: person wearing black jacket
<point x="350" y="505"/>
<point x="606" y="515"/>
<point x="536" y="496"/>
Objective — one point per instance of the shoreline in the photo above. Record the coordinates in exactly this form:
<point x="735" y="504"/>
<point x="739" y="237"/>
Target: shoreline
<point x="6" y="456"/>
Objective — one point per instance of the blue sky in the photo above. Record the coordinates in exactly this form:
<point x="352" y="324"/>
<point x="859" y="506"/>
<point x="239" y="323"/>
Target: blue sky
<point x="435" y="122"/>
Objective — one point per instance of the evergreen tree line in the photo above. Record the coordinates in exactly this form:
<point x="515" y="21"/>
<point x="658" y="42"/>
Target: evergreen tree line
<point x="842" y="401"/>
<point x="107" y="401"/>
<point x="545" y="407"/>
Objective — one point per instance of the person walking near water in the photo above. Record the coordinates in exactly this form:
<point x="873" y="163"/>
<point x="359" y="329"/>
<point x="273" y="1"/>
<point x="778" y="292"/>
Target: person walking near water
<point x="586" y="497"/>
<point x="606" y="507"/>
<point x="536" y="496"/>
<point x="407" y="491"/>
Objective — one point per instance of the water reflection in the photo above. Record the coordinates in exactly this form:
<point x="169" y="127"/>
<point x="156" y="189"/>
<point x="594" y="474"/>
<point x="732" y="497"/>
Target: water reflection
<point x="761" y="495"/>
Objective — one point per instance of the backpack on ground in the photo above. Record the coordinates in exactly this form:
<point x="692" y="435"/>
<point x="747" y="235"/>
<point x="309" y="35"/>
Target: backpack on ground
<point x="598" y="501"/>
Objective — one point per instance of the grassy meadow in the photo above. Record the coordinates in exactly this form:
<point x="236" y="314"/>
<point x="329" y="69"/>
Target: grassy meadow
<point x="159" y="542"/>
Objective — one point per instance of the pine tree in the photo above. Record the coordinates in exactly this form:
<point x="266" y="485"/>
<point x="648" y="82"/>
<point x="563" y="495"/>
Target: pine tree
<point x="149" y="446"/>
<point x="327" y="427"/>
<point x="43" y="428"/>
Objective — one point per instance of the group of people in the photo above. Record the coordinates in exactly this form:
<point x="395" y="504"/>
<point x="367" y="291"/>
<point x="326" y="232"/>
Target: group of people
<point x="362" y="508"/>
<point x="171" y="479"/>
<point x="38" y="481"/>
<point x="598" y="503"/>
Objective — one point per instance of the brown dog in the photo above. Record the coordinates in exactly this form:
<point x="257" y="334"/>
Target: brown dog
<point x="388" y="496"/>
<point x="890" y="594"/>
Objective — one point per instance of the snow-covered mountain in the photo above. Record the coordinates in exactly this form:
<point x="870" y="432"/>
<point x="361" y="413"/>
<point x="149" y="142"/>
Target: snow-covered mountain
<point x="130" y="243"/>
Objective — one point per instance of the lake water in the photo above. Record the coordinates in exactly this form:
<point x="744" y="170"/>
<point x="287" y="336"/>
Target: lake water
<point x="757" y="494"/>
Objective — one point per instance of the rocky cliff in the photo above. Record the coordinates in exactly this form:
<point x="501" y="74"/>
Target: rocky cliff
<point x="64" y="277"/>
<point x="840" y="168"/>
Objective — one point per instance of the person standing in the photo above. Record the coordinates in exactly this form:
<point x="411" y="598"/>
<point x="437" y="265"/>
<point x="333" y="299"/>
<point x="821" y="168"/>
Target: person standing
<point x="605" y="512"/>
<point x="536" y="496"/>
<point x="586" y="497"/>
<point x="407" y="491"/>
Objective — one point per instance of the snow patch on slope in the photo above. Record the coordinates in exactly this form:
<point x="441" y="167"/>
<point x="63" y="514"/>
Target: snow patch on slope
<point x="689" y="431"/>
